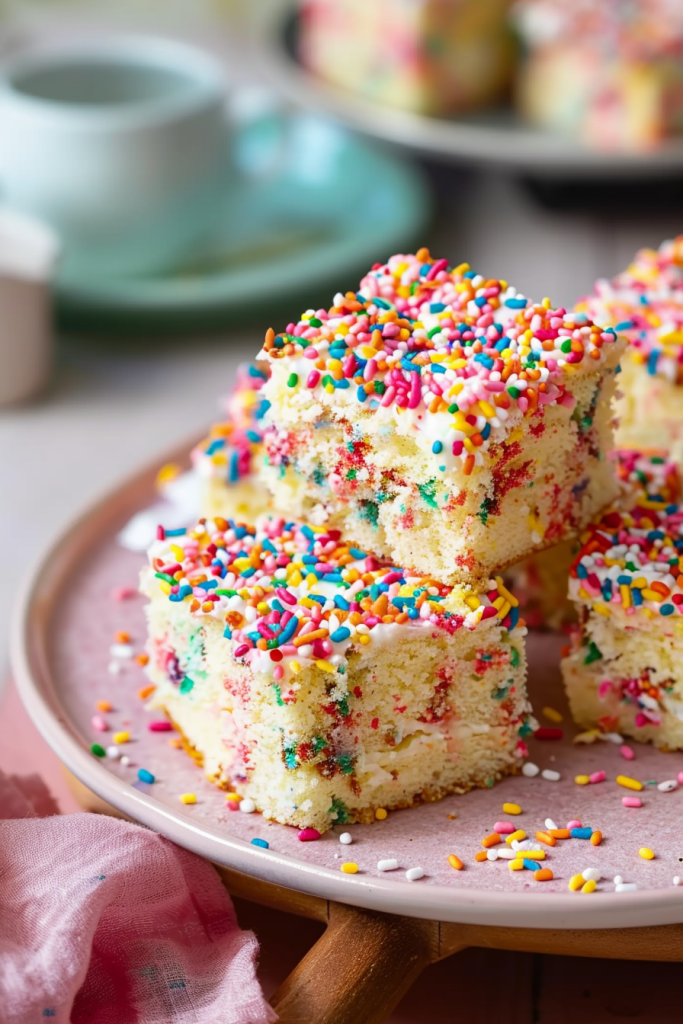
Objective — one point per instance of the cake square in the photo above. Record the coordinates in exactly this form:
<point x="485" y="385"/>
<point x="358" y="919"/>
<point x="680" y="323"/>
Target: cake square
<point x="441" y="419"/>
<point x="645" y="304"/>
<point x="322" y="683"/>
<point x="226" y="460"/>
<point x="623" y="671"/>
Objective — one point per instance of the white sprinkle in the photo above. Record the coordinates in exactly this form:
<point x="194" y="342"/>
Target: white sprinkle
<point x="247" y="806"/>
<point x="625" y="887"/>
<point x="506" y="854"/>
<point x="551" y="775"/>
<point x="530" y="769"/>
<point x="677" y="880"/>
<point x="618" y="879"/>
<point x="387" y="865"/>
<point x="113" y="752"/>
<point x="591" y="875"/>
<point x="125" y="760"/>
<point x="413" y="874"/>
<point x="668" y="786"/>
<point x="346" y="838"/>
<point x="492" y="854"/>
<point x="113" y="668"/>
<point x="549" y="823"/>
<point x="611" y="737"/>
<point x="121" y="651"/>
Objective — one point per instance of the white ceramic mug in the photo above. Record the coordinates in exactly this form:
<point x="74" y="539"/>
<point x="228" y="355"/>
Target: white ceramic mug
<point x="120" y="146"/>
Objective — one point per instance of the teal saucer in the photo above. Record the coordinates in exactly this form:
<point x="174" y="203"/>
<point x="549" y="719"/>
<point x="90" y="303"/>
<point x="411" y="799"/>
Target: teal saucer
<point x="306" y="209"/>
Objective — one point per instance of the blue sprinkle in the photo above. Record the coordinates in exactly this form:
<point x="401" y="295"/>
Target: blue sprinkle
<point x="340" y="634"/>
<point x="481" y="301"/>
<point x="437" y="447"/>
<point x="317" y="597"/>
<point x="227" y="633"/>
<point x="246" y="573"/>
<point x="470" y="274"/>
<point x="652" y="362"/>
<point x="513" y="616"/>
<point x="261" y="842"/>
<point x="145" y="776"/>
<point x="666" y="609"/>
<point x="269" y="546"/>
<point x="624" y="581"/>
<point x="254" y="436"/>
<point x="624" y="325"/>
<point x="208" y="584"/>
<point x="288" y="631"/>
<point x="413" y="613"/>
<point x="308" y="533"/>
<point x="355" y="553"/>
<point x="516" y="303"/>
<point x="636" y="596"/>
<point x="531" y="865"/>
<point x="382" y="303"/>
<point x="581" y="833"/>
<point x="485" y="360"/>
<point x="215" y="445"/>
<point x="233" y="467"/>
<point x="342" y="603"/>
<point x="176" y="533"/>
<point x="486" y="431"/>
<point x="581" y="571"/>
<point x="436" y="307"/>
<point x="361" y="394"/>
<point x="437" y="368"/>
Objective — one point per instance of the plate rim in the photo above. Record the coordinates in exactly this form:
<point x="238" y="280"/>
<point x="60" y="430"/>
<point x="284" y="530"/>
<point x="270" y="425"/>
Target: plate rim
<point x="39" y="690"/>
<point x="538" y="153"/>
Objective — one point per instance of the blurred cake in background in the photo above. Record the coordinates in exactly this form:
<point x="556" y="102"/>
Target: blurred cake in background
<point x="606" y="72"/>
<point x="645" y="303"/>
<point x="427" y="56"/>
<point x="226" y="460"/>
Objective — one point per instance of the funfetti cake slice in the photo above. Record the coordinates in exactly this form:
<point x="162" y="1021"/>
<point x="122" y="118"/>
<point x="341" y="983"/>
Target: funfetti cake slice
<point x="227" y="459"/>
<point x="648" y="480"/>
<point x="624" y="671"/>
<point x="324" y="684"/>
<point x="645" y="304"/>
<point x="441" y="419"/>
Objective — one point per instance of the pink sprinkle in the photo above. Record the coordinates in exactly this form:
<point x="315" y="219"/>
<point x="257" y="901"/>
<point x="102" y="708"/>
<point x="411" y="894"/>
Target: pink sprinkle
<point x="680" y="778"/>
<point x="232" y="805"/>
<point x="278" y="673"/>
<point x="631" y="801"/>
<point x="99" y="723"/>
<point x="284" y="595"/>
<point x="161" y="533"/>
<point x="504" y="828"/>
<point x="313" y="378"/>
<point x="597" y="777"/>
<point x="308" y="835"/>
<point x="574" y="823"/>
<point x="122" y="593"/>
<point x="436" y="268"/>
<point x="242" y="650"/>
<point x="161" y="726"/>
<point x="629" y="754"/>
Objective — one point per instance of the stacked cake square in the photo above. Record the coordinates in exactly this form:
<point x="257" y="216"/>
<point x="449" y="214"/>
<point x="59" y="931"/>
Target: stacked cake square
<point x="356" y="648"/>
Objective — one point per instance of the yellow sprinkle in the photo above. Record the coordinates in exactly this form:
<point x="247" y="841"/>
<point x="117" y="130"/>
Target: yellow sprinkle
<point x="590" y="736"/>
<point x="519" y="835"/>
<point x="628" y="783"/>
<point x="512" y="809"/>
<point x="325" y="666"/>
<point x="233" y="797"/>
<point x="581" y="780"/>
<point x="188" y="798"/>
<point x="262" y="608"/>
<point x="121" y="737"/>
<point x="177" y="553"/>
<point x="164" y="587"/>
<point x="349" y="868"/>
<point x="471" y="602"/>
<point x="381" y="814"/>
<point x="516" y="865"/>
<point x="576" y="882"/>
<point x="531" y="855"/>
<point x="552" y="715"/>
<point x="167" y="473"/>
<point x="504" y="592"/>
<point x="646" y="853"/>
<point x="590" y="886"/>
<point x="652" y="595"/>
<point x="295" y="666"/>
<point x="364" y="638"/>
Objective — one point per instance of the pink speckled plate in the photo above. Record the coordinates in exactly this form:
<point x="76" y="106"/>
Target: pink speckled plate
<point x="64" y="628"/>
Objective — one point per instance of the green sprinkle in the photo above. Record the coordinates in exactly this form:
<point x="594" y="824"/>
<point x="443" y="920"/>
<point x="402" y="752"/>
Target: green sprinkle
<point x="292" y="380"/>
<point x="186" y="684"/>
<point x="454" y="407"/>
<point x="515" y="392"/>
<point x="225" y="593"/>
<point x="594" y="654"/>
<point x="164" y="576"/>
<point x="314" y="322"/>
<point x="98" y="750"/>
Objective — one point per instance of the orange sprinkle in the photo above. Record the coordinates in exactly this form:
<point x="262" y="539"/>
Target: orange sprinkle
<point x="596" y="838"/>
<point x="491" y="840"/>
<point x="315" y="634"/>
<point x="142" y="659"/>
<point x="480" y="856"/>
<point x="103" y="705"/>
<point x="545" y="837"/>
<point x="146" y="691"/>
<point x="559" y="833"/>
<point x="455" y="862"/>
<point x="122" y="637"/>
<point x="543" y="875"/>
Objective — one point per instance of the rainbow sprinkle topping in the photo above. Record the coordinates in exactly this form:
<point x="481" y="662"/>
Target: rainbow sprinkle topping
<point x="645" y="303"/>
<point x="232" y="447"/>
<point x="292" y="595"/>
<point x="632" y="562"/>
<point x="462" y="358"/>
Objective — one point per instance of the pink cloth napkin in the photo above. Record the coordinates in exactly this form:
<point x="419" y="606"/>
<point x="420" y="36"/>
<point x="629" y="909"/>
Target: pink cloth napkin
<point x="105" y="922"/>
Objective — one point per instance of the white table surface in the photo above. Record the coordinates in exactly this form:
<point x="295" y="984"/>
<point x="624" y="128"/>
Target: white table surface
<point x="109" y="411"/>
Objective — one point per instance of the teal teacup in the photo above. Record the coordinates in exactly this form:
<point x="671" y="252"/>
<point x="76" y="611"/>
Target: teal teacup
<point x="120" y="146"/>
